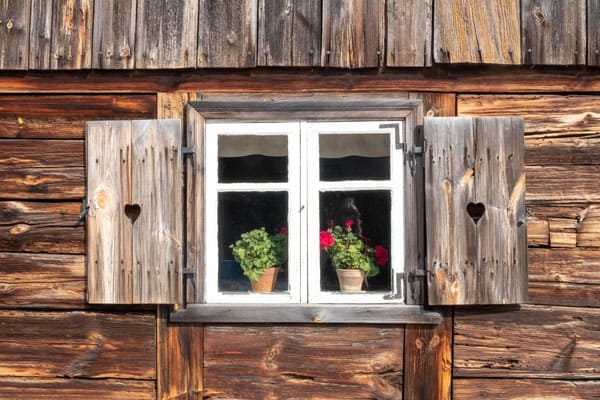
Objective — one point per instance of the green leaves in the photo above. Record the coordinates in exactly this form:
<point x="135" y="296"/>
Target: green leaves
<point x="256" y="252"/>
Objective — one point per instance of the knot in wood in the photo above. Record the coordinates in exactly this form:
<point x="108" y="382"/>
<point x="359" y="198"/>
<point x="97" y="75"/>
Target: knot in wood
<point x="9" y="24"/>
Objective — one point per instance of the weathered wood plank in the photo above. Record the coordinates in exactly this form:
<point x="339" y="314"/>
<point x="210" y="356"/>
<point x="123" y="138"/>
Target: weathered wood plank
<point x="472" y="31"/>
<point x="172" y="105"/>
<point x="77" y="344"/>
<point x="562" y="185"/>
<point x="593" y="32"/>
<point x="532" y="342"/>
<point x="114" y="34"/>
<point x="42" y="281"/>
<point x="477" y="208"/>
<point x="72" y="24"/>
<point x="109" y="230"/>
<point x="353" y="33"/>
<point x="63" y="116"/>
<point x="559" y="130"/>
<point x="408" y="36"/>
<point x="553" y="32"/>
<point x="428" y="360"/>
<point x="517" y="389"/>
<point x="227" y="34"/>
<point x="289" y="32"/>
<point x="14" y="34"/>
<point x="40" y="34"/>
<point x="33" y="183"/>
<point x="41" y="153"/>
<point x="291" y="361"/>
<point x="436" y="104"/>
<point x="166" y="34"/>
<point x="179" y="358"/>
<point x="74" y="389"/>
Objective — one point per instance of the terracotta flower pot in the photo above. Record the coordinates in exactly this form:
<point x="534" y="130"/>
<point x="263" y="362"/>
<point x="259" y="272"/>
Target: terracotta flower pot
<point x="351" y="280"/>
<point x="266" y="283"/>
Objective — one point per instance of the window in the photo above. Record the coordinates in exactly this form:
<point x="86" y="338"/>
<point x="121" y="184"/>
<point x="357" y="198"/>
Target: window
<point x="303" y="177"/>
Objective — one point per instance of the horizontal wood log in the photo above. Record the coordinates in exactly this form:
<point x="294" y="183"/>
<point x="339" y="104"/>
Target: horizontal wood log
<point x="258" y="361"/>
<point x="27" y="153"/>
<point x="63" y="116"/>
<point x="42" y="184"/>
<point x="564" y="294"/>
<point x="562" y="185"/>
<point x="566" y="225"/>
<point x="439" y="78"/>
<point x="518" y="389"/>
<point x="77" y="345"/>
<point x="533" y="342"/>
<point x="75" y="389"/>
<point x="42" y="281"/>
<point x="559" y="130"/>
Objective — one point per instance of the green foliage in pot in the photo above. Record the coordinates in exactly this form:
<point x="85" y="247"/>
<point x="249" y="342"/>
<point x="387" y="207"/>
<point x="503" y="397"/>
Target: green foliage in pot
<point x="256" y="252"/>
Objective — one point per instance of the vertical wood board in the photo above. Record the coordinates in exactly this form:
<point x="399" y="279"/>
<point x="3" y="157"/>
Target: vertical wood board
<point x="114" y="34"/>
<point x="593" y="32"/>
<point x="289" y="32"/>
<point x="353" y="33"/>
<point x="40" y="34"/>
<point x="72" y="23"/>
<point x="553" y="32"/>
<point x="475" y="188"/>
<point x="14" y="34"/>
<point x="408" y="38"/>
<point x="474" y="31"/>
<point x="166" y="34"/>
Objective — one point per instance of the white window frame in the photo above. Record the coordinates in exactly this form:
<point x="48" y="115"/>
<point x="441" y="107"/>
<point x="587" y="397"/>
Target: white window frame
<point x="303" y="188"/>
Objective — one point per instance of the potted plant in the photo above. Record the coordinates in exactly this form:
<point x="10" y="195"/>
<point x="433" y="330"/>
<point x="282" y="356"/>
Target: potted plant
<point x="260" y="256"/>
<point x="353" y="259"/>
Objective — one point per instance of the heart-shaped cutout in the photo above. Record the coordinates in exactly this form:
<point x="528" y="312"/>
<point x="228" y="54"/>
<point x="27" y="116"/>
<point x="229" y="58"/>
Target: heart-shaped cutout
<point x="475" y="211"/>
<point x="132" y="211"/>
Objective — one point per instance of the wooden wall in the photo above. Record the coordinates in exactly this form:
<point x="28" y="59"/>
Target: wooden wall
<point x="179" y="34"/>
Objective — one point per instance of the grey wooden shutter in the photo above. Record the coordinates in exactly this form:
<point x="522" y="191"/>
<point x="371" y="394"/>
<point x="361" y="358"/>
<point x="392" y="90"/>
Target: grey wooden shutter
<point x="134" y="223"/>
<point x="475" y="212"/>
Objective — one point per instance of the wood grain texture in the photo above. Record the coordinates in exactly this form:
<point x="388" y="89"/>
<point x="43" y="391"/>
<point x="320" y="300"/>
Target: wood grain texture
<point x="553" y="32"/>
<point x="166" y="34"/>
<point x="227" y="34"/>
<point x="114" y="34"/>
<point x="428" y="360"/>
<point x="26" y="153"/>
<point x="289" y="32"/>
<point x="40" y="34"/>
<point x="72" y="24"/>
<point x="531" y="342"/>
<point x="408" y="35"/>
<point x="39" y="227"/>
<point x="562" y="185"/>
<point x="42" y="184"/>
<point x="559" y="130"/>
<point x="77" y="345"/>
<point x="353" y="33"/>
<point x="14" y="388"/>
<point x="593" y="32"/>
<point x="517" y="389"/>
<point x="472" y="31"/>
<point x="49" y="281"/>
<point x="475" y="163"/>
<point x="63" y="116"/>
<point x="566" y="225"/>
<point x="14" y="34"/>
<point x="258" y="361"/>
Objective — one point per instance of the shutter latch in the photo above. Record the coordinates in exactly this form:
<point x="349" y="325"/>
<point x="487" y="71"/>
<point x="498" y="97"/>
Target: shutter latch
<point x="417" y="151"/>
<point x="85" y="207"/>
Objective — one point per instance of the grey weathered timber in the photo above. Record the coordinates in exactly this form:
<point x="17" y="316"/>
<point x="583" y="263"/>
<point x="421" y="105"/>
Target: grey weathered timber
<point x="474" y="31"/>
<point x="593" y="32"/>
<point x="475" y="212"/>
<point x="72" y="23"/>
<point x="289" y="32"/>
<point x="14" y="34"/>
<point x="553" y="32"/>
<point x="166" y="34"/>
<point x="408" y="39"/>
<point x="114" y="34"/>
<point x="306" y="313"/>
<point x="227" y="33"/>
<point x="353" y="33"/>
<point x="135" y="222"/>
<point x="40" y="34"/>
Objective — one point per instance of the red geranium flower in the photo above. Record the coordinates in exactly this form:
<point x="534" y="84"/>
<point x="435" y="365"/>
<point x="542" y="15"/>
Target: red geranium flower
<point x="381" y="255"/>
<point x="349" y="223"/>
<point x="325" y="239"/>
<point x="284" y="230"/>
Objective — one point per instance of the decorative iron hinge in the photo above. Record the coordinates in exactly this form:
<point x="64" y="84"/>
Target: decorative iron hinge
<point x="189" y="274"/>
<point x="416" y="151"/>
<point x="85" y="208"/>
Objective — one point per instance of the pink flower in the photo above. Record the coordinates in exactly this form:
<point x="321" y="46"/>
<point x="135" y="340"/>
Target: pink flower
<point x="325" y="239"/>
<point x="381" y="255"/>
<point x="283" y="230"/>
<point x="349" y="223"/>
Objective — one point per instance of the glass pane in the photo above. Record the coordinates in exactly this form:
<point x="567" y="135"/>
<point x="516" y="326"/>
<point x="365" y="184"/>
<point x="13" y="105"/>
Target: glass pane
<point x="253" y="158"/>
<point x="240" y="213"/>
<point x="356" y="230"/>
<point x="354" y="157"/>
